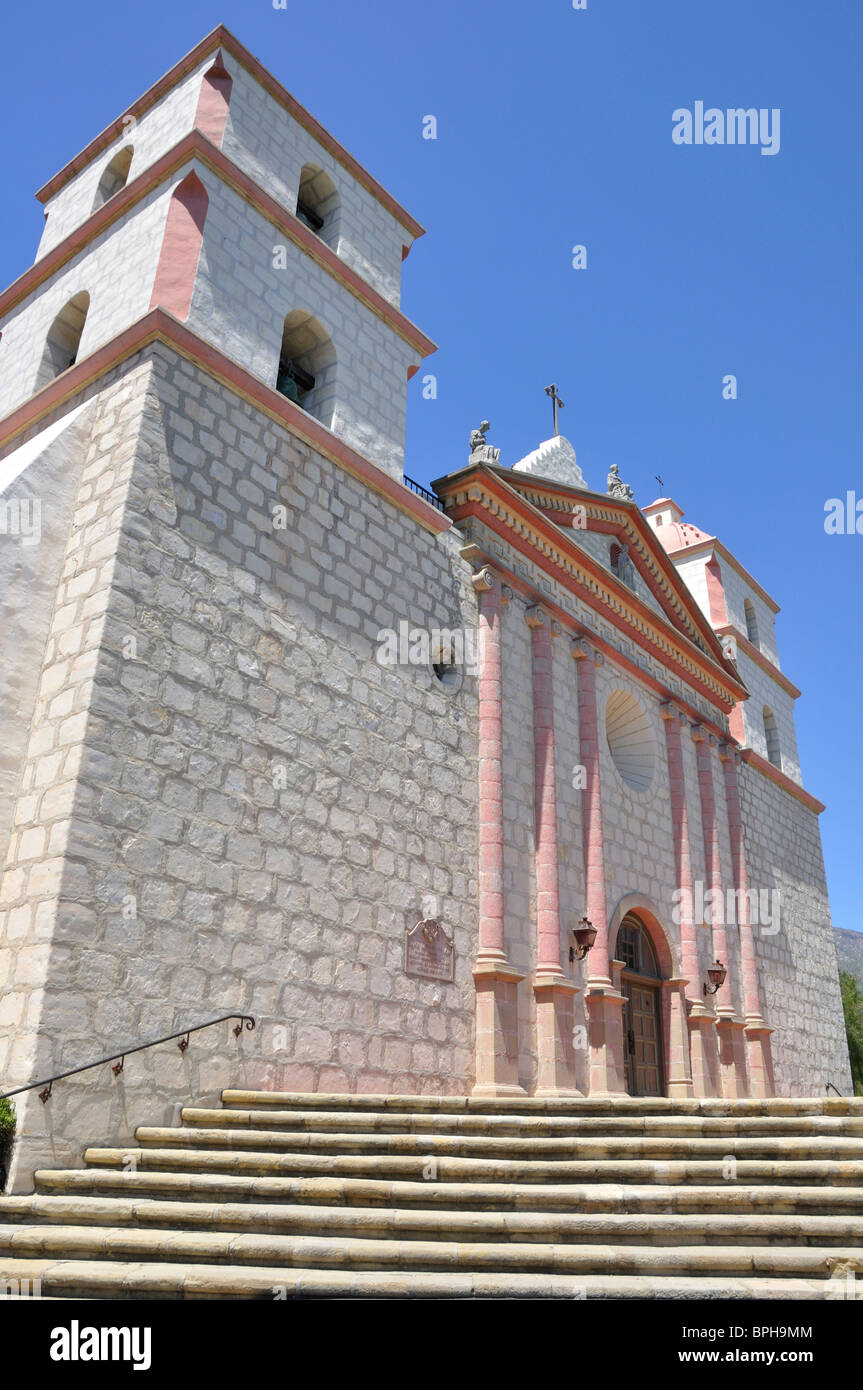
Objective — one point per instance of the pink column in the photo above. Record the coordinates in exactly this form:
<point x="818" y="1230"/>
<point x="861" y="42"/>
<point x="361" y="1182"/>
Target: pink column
<point x="681" y="1083"/>
<point x="725" y="1058"/>
<point x="552" y="989"/>
<point x="757" y="1031"/>
<point x="604" y="1002"/>
<point x="674" y="717"/>
<point x="704" y="744"/>
<point x="496" y="980"/>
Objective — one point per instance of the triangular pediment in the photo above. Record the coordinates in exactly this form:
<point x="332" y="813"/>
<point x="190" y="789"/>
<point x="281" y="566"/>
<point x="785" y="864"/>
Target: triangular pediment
<point x="591" y="522"/>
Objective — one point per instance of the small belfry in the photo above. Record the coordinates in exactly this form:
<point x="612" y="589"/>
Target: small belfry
<point x="555" y="844"/>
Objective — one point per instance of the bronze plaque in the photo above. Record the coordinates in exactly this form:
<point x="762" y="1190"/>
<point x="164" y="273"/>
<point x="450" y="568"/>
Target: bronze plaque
<point x="429" y="952"/>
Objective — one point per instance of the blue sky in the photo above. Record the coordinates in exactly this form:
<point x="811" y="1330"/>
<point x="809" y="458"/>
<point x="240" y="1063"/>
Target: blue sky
<point x="554" y="129"/>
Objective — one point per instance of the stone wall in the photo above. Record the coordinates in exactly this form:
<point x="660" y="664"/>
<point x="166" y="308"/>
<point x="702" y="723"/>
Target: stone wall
<point x="243" y="292"/>
<point x="247" y="808"/>
<point x="797" y="965"/>
<point x="117" y="270"/>
<point x="151" y="135"/>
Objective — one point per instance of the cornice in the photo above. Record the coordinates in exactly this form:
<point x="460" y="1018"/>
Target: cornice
<point x="756" y="655"/>
<point x="221" y="37"/>
<point x="532" y="597"/>
<point x="686" y="552"/>
<point x="774" y="774"/>
<point x="195" y="145"/>
<point x="159" y="326"/>
<point x="615" y="517"/>
<point x="534" y="535"/>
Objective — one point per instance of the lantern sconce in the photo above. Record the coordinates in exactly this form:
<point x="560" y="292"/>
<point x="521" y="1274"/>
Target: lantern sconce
<point x="585" y="935"/>
<point x="716" y="975"/>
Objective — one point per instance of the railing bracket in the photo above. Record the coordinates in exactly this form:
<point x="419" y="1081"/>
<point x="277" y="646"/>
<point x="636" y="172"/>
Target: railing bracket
<point x="119" y="1058"/>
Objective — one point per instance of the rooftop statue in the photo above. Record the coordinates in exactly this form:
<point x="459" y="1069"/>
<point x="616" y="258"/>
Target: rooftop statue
<point x="615" y="487"/>
<point x="480" y="450"/>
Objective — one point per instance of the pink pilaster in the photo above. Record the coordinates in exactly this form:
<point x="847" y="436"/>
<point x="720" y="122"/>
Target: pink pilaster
<point x="496" y="980"/>
<point x="553" y="990"/>
<point x="721" y="1056"/>
<point x="673" y="718"/>
<point x="676" y="1030"/>
<point x="604" y="1002"/>
<point x="757" y="1031"/>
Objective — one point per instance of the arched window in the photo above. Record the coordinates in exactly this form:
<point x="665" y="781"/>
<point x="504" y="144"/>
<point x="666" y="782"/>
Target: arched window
<point x="318" y="202"/>
<point x="635" y="948"/>
<point x="751" y="622"/>
<point x="621" y="565"/>
<point x="771" y="734"/>
<point x="64" y="337"/>
<point x="307" y="365"/>
<point x="114" y="177"/>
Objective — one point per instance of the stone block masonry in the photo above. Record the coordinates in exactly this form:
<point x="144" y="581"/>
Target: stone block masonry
<point x="245" y="809"/>
<point x="798" y="972"/>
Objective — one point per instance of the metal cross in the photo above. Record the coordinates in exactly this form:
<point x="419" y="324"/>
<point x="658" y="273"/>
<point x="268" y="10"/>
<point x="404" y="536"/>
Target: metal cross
<point x="556" y="401"/>
<point x="659" y="480"/>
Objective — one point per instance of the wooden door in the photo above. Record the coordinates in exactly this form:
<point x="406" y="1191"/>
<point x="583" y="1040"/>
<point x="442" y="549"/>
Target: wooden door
<point x="642" y="1038"/>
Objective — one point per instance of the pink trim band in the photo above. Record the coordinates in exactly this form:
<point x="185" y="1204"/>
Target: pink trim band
<point x="222" y="37"/>
<point x="213" y="101"/>
<point x="158" y="325"/>
<point x="181" y="247"/>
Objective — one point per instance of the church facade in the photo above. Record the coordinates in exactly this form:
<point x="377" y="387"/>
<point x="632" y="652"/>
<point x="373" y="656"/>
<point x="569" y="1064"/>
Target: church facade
<point x="491" y="788"/>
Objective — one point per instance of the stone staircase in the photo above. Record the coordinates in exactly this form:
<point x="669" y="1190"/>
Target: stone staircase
<point x="323" y="1196"/>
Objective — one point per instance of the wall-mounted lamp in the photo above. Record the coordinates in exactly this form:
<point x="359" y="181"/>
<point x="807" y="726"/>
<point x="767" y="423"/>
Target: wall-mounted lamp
<point x="585" y="935"/>
<point x="716" y="975"/>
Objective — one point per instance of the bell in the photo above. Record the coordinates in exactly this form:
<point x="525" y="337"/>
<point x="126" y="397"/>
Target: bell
<point x="286" y="384"/>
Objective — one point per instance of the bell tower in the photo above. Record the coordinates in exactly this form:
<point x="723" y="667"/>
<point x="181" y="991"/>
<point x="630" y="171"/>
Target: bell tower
<point x="203" y="382"/>
<point x="218" y="199"/>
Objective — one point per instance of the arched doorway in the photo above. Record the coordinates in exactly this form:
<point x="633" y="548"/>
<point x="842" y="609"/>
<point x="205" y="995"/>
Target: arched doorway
<point x="640" y="985"/>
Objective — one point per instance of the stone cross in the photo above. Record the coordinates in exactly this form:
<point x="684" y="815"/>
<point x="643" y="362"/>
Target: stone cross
<point x="555" y="401"/>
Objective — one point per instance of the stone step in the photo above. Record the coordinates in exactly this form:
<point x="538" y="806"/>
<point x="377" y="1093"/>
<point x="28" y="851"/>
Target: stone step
<point x="630" y="1196"/>
<point x="526" y="1126"/>
<point x="423" y="1256"/>
<point x="696" y="1228"/>
<point x="264" y="1141"/>
<point x="833" y="1172"/>
<point x="540" y="1105"/>
<point x="125" y="1280"/>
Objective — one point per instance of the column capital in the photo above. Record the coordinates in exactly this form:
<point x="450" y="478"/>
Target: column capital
<point x="506" y="594"/>
<point x="669" y="709"/>
<point x="484" y="580"/>
<point x="535" y="616"/>
<point x="582" y="649"/>
<point x="698" y="732"/>
<point x="730" y="753"/>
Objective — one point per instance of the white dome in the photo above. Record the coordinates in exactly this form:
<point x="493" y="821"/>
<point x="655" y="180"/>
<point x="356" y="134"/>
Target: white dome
<point x="555" y="460"/>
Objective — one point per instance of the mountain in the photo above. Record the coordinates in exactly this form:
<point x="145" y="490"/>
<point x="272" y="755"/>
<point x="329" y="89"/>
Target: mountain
<point x="849" y="949"/>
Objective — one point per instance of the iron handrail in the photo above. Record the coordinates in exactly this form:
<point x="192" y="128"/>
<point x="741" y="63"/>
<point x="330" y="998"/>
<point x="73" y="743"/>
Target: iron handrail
<point x="47" y="1082"/>
<point x="831" y="1087"/>
<point x="423" y="492"/>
